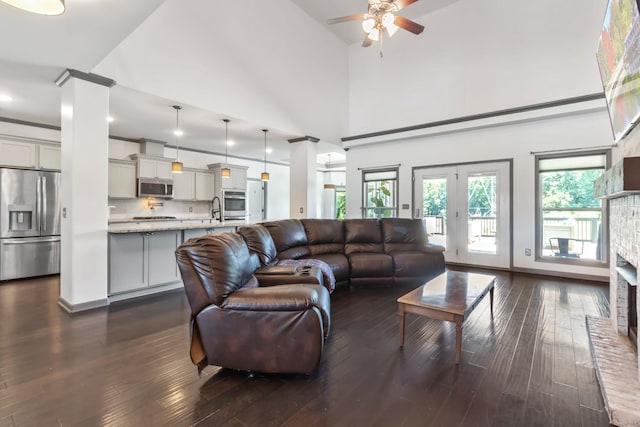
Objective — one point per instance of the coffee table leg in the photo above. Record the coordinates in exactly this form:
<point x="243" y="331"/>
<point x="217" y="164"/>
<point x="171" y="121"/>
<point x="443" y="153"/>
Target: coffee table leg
<point x="491" y="299"/>
<point x="401" y="316"/>
<point x="458" y="340"/>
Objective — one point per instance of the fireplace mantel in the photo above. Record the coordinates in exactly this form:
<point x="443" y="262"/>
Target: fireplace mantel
<point x="621" y="180"/>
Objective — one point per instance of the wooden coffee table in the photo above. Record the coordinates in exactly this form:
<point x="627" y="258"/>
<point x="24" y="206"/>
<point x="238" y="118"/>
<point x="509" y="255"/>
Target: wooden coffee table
<point x="451" y="296"/>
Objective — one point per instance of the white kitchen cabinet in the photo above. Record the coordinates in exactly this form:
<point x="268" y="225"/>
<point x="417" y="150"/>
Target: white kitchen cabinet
<point x="138" y="261"/>
<point x="153" y="167"/>
<point x="198" y="232"/>
<point x="237" y="180"/>
<point x="127" y="266"/>
<point x="161" y="256"/>
<point x="49" y="157"/>
<point x="18" y="153"/>
<point x="204" y="187"/>
<point x="184" y="185"/>
<point x="122" y="179"/>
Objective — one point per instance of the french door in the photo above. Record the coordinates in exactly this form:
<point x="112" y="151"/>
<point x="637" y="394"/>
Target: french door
<point x="467" y="209"/>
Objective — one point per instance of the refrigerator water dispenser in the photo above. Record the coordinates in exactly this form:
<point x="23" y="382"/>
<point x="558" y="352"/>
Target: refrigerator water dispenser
<point x="21" y="217"/>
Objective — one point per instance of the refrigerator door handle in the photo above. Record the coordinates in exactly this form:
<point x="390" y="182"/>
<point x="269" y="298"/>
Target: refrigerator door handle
<point x="27" y="241"/>
<point x="43" y="219"/>
<point x="38" y="204"/>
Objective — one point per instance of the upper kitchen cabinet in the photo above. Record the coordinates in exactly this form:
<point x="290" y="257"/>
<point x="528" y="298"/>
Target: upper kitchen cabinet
<point x="122" y="179"/>
<point x="153" y="167"/>
<point x="193" y="184"/>
<point x="49" y="156"/>
<point x="184" y="185"/>
<point x="204" y="185"/>
<point x="18" y="153"/>
<point x="237" y="180"/>
<point x="26" y="154"/>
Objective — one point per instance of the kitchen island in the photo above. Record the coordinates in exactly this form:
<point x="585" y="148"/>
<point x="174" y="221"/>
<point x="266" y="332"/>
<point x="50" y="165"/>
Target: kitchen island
<point x="141" y="252"/>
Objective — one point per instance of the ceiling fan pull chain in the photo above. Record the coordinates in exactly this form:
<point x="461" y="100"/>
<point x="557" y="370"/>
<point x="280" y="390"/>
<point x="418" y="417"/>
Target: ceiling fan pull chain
<point x="381" y="37"/>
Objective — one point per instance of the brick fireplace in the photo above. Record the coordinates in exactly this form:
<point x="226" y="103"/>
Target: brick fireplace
<point x="615" y="354"/>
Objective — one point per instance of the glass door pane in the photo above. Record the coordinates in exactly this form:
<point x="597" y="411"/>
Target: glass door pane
<point x="434" y="209"/>
<point x="482" y="213"/>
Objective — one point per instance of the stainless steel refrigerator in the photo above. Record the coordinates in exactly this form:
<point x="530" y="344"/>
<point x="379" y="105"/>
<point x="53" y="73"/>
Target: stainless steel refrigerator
<point x="29" y="223"/>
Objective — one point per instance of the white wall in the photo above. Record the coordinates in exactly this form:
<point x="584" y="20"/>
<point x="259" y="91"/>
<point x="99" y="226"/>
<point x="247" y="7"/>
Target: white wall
<point x="507" y="141"/>
<point x="474" y="57"/>
<point x="263" y="62"/>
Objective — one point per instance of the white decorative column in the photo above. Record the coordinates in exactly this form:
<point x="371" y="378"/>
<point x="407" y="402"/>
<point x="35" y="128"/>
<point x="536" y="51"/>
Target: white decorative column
<point x="84" y="184"/>
<point x="302" y="177"/>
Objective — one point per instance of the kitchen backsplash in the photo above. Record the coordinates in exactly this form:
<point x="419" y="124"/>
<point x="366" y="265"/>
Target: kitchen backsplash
<point x="127" y="208"/>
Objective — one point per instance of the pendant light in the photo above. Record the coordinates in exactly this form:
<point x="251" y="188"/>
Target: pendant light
<point x="264" y="176"/>
<point x="225" y="172"/>
<point x="329" y="186"/>
<point x="41" y="7"/>
<point x="176" y="166"/>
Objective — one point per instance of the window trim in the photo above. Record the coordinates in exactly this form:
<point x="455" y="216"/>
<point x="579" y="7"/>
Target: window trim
<point x="395" y="169"/>
<point x="604" y="263"/>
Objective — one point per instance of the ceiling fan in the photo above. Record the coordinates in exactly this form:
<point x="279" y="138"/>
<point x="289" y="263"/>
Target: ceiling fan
<point x="381" y="15"/>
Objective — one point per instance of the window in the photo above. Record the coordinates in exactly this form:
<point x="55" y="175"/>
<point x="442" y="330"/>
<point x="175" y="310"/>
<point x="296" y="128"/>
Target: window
<point x="380" y="193"/>
<point x="570" y="222"/>
<point x="341" y="202"/>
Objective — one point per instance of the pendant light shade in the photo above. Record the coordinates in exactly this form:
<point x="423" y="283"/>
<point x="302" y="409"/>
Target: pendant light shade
<point x="176" y="166"/>
<point x="264" y="176"/>
<point x="225" y="172"/>
<point x="41" y="7"/>
<point x="329" y="186"/>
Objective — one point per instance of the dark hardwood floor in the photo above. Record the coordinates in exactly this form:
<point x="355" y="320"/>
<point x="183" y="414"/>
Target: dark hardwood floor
<point x="128" y="365"/>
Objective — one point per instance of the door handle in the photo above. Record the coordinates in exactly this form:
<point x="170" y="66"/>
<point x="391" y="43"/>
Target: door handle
<point x="43" y="220"/>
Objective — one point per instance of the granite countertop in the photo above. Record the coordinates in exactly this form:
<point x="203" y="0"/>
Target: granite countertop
<point x="149" y="225"/>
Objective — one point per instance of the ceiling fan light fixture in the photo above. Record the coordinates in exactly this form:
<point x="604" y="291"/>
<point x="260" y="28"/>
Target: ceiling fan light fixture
<point x="368" y="24"/>
<point x="374" y="35"/>
<point x="41" y="7"/>
<point x="388" y="19"/>
<point x="391" y="29"/>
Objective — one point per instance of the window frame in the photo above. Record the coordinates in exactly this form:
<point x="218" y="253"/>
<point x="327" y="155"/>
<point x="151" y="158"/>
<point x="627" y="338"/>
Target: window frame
<point x="539" y="214"/>
<point x="395" y="170"/>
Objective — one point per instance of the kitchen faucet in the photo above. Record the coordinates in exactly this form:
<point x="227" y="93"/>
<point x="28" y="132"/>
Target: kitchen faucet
<point x="215" y="211"/>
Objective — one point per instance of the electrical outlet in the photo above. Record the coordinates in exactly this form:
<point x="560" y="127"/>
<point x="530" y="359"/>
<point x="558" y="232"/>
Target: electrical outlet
<point x="527" y="252"/>
<point x="301" y="210"/>
<point x="190" y="208"/>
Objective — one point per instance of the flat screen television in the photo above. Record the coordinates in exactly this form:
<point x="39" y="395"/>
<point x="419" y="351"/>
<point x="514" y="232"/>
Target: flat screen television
<point x="618" y="57"/>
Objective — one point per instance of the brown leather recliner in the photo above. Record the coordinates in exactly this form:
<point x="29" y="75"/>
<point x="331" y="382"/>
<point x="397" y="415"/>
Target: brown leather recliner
<point x="237" y="324"/>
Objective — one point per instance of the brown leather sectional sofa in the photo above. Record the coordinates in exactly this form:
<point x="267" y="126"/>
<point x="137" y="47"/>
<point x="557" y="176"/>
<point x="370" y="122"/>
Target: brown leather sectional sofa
<point x="360" y="252"/>
<point x="250" y="313"/>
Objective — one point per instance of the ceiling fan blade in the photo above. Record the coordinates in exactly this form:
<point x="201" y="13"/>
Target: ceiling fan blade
<point x="408" y="25"/>
<point x="367" y="41"/>
<point x="355" y="17"/>
<point x="401" y="4"/>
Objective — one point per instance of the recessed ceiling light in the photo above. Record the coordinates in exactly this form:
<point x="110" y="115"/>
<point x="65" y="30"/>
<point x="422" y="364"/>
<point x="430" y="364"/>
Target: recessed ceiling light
<point x="5" y="98"/>
<point x="231" y="143"/>
<point x="269" y="150"/>
<point x="178" y="132"/>
<point x="110" y="119"/>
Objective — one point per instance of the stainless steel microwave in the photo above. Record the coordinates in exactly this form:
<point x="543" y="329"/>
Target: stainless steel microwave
<point x="161" y="188"/>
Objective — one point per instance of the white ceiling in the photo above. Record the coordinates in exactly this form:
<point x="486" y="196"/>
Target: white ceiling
<point x="37" y="49"/>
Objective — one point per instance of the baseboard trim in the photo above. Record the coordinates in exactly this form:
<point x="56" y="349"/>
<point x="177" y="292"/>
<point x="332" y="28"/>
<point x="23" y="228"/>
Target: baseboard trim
<point x="537" y="272"/>
<point x="89" y="305"/>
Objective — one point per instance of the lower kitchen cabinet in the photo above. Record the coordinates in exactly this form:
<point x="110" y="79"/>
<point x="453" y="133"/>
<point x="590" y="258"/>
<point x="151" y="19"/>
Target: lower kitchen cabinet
<point x="197" y="232"/>
<point x="139" y="261"/>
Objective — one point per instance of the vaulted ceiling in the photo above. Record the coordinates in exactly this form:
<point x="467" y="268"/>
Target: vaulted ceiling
<point x="36" y="49"/>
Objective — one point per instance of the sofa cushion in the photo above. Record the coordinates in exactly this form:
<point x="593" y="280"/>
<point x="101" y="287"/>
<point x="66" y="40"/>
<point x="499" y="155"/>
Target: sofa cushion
<point x="403" y="234"/>
<point x="338" y="263"/>
<point x="259" y="241"/>
<point x="325" y="236"/>
<point x="371" y="265"/>
<point x="414" y="263"/>
<point x="289" y="238"/>
<point x="362" y="235"/>
<point x="215" y="266"/>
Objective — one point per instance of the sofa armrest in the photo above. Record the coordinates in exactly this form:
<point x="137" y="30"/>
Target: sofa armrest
<point x="433" y="248"/>
<point x="275" y="298"/>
